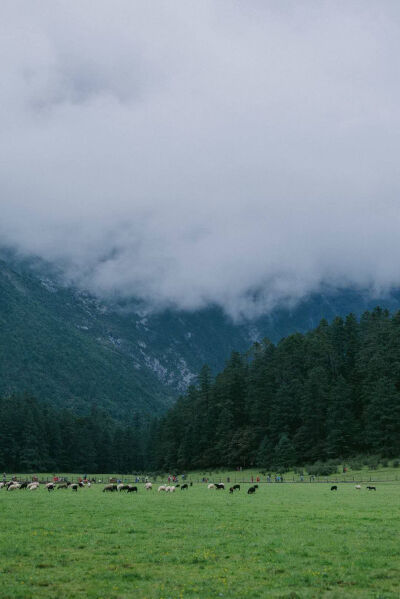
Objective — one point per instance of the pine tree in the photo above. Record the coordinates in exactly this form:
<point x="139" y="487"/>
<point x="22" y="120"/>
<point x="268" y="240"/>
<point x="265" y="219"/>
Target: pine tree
<point x="284" y="453"/>
<point x="342" y="428"/>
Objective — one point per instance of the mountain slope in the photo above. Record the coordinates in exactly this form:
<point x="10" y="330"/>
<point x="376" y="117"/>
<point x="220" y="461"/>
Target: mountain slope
<point x="65" y="346"/>
<point x="44" y="351"/>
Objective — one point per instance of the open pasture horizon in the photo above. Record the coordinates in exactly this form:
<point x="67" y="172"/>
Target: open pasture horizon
<point x="285" y="541"/>
<point x="248" y="475"/>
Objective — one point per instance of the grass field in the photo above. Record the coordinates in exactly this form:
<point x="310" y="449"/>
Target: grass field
<point x="285" y="541"/>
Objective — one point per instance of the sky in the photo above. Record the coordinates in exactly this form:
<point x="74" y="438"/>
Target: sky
<point x="243" y="154"/>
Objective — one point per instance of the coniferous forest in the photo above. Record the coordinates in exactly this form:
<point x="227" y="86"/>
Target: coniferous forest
<point x="37" y="438"/>
<point x="329" y="394"/>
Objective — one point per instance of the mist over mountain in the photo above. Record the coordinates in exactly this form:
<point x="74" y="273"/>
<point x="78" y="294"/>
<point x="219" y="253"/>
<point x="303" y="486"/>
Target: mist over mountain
<point x="179" y="179"/>
<point x="195" y="154"/>
<point x="76" y="351"/>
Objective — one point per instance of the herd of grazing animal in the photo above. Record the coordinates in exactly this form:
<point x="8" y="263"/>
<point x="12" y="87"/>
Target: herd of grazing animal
<point x="33" y="486"/>
<point x="13" y="485"/>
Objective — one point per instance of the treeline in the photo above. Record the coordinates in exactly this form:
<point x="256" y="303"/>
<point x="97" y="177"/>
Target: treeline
<point x="329" y="394"/>
<point x="36" y="438"/>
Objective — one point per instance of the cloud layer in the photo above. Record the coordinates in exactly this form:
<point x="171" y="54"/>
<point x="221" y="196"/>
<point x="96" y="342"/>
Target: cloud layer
<point x="187" y="153"/>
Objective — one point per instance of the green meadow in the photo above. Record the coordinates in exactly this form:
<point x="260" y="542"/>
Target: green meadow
<point x="287" y="540"/>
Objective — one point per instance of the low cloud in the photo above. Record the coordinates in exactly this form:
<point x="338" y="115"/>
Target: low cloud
<point x="188" y="153"/>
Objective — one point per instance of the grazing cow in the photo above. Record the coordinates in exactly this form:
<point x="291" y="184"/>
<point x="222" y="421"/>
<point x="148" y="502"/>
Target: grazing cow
<point x="236" y="487"/>
<point x="148" y="486"/>
<point x="110" y="488"/>
<point x="132" y="489"/>
<point x="184" y="487"/>
<point x="251" y="490"/>
<point x="334" y="488"/>
<point x="371" y="488"/>
<point x="358" y="487"/>
<point x="219" y="486"/>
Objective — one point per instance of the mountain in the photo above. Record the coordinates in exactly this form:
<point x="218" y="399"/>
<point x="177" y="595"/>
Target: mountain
<point x="68" y="347"/>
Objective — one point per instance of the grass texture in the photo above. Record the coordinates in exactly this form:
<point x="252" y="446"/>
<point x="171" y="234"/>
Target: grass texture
<point x="286" y="541"/>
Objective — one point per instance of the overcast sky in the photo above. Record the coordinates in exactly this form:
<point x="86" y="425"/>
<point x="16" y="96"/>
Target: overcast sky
<point x="189" y="152"/>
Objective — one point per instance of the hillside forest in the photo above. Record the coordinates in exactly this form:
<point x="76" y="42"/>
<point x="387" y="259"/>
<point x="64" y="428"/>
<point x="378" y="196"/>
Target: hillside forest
<point x="329" y="394"/>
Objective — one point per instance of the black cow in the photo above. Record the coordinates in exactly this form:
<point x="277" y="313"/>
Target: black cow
<point x="184" y="487"/>
<point x="132" y="489"/>
<point x="220" y="486"/>
<point x="236" y="487"/>
<point x="334" y="488"/>
<point x="251" y="490"/>
<point x="371" y="488"/>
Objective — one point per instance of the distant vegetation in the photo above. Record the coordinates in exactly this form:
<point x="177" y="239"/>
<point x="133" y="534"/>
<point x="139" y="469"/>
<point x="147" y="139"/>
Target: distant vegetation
<point x="326" y="395"/>
<point x="316" y="399"/>
<point x="38" y="438"/>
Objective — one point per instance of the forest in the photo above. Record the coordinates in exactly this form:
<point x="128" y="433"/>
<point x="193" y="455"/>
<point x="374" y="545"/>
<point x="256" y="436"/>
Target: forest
<point x="329" y="394"/>
<point x="38" y="438"/>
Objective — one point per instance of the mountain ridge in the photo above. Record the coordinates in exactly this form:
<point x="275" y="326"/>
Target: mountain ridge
<point x="75" y="350"/>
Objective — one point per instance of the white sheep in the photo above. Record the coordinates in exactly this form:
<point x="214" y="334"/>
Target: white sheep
<point x="13" y="487"/>
<point x="171" y="489"/>
<point x="211" y="486"/>
<point x="358" y="487"/>
<point x="33" y="486"/>
<point x="148" y="486"/>
<point x="161" y="488"/>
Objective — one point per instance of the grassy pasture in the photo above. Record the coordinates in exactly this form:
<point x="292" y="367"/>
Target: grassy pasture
<point x="285" y="541"/>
